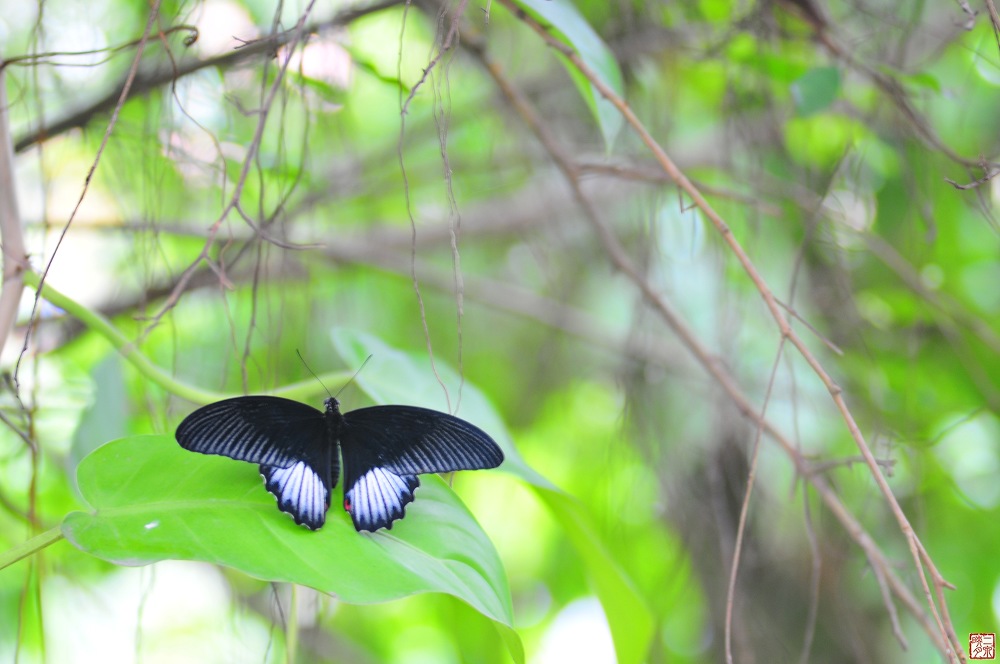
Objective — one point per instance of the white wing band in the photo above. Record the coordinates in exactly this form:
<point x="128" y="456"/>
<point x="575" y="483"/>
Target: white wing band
<point x="379" y="497"/>
<point x="300" y="492"/>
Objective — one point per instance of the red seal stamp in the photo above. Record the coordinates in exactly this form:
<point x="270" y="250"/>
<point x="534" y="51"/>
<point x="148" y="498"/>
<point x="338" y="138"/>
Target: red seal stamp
<point x="982" y="646"/>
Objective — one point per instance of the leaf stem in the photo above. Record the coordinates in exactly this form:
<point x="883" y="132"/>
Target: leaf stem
<point x="101" y="325"/>
<point x="33" y="545"/>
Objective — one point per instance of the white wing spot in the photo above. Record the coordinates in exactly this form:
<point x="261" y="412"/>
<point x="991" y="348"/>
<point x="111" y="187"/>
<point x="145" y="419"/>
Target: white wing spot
<point x="377" y="499"/>
<point x="301" y="493"/>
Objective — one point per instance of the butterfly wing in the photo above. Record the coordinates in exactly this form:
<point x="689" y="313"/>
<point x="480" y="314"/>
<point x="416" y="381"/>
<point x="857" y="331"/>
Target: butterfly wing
<point x="377" y="496"/>
<point x="301" y="490"/>
<point x="386" y="447"/>
<point x="289" y="440"/>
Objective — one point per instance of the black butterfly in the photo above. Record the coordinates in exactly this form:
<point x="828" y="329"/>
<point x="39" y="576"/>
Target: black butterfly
<point x="384" y="449"/>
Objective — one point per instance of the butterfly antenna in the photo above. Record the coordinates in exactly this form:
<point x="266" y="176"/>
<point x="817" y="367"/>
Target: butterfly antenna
<point x="309" y="369"/>
<point x="354" y="376"/>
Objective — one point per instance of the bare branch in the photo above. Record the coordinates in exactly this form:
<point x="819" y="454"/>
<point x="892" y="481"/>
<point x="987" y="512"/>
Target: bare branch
<point x="15" y="255"/>
<point x="248" y="50"/>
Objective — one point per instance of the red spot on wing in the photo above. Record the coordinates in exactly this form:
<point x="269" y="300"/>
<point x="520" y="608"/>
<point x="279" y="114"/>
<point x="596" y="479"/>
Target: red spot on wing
<point x="347" y="504"/>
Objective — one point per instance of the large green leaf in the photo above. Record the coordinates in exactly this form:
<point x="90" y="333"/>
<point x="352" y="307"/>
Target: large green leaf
<point x="393" y="376"/>
<point x="154" y="501"/>
<point x="566" y="23"/>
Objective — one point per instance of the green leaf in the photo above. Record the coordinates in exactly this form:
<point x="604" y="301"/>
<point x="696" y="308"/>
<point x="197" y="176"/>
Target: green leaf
<point x="815" y="90"/>
<point x="567" y="25"/>
<point x="216" y="510"/>
<point x="629" y="619"/>
<point x="921" y="79"/>
<point x="104" y="419"/>
<point x="393" y="376"/>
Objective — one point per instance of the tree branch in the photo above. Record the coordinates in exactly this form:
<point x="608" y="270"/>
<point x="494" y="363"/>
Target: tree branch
<point x="15" y="256"/>
<point x="149" y="81"/>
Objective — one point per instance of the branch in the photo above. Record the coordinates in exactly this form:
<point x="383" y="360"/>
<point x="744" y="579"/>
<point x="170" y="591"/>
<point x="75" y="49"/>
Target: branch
<point x="151" y="81"/>
<point x="975" y="183"/>
<point x="15" y="256"/>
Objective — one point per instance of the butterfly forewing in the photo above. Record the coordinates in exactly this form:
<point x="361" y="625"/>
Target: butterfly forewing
<point x="289" y="440"/>
<point x="266" y="430"/>
<point x="411" y="440"/>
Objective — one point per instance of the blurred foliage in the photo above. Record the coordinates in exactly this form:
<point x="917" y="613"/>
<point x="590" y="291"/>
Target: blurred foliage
<point x="826" y="136"/>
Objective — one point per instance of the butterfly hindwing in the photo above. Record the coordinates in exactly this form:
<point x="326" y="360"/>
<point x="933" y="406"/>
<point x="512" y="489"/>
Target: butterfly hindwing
<point x="289" y="440"/>
<point x="301" y="491"/>
<point x="377" y="497"/>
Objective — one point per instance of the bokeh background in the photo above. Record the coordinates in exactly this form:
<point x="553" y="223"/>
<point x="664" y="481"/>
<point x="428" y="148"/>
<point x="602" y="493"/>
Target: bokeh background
<point x="280" y="172"/>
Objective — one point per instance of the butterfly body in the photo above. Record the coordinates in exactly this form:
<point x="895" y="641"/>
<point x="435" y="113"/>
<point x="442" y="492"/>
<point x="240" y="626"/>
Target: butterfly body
<point x="384" y="448"/>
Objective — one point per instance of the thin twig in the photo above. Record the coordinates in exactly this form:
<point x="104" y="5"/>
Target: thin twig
<point x="975" y="183"/>
<point x="795" y="314"/>
<point x="745" y="506"/>
<point x="445" y="46"/>
<point x="994" y="20"/>
<point x="825" y="466"/>
<point x="248" y="161"/>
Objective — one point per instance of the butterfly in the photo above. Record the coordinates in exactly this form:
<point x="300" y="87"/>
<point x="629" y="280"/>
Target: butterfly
<point x="384" y="448"/>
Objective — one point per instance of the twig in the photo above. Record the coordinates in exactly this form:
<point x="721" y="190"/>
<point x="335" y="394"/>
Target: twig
<point x="940" y="300"/>
<point x="891" y="88"/>
<point x="975" y="183"/>
<point x="745" y="506"/>
<point x="233" y="204"/>
<point x="814" y="578"/>
<point x="29" y="518"/>
<point x="795" y="314"/>
<point x="35" y="59"/>
<point x="445" y="46"/>
<point x="970" y="13"/>
<point x="890" y="606"/>
<point x="824" y="466"/>
<point x="995" y="20"/>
